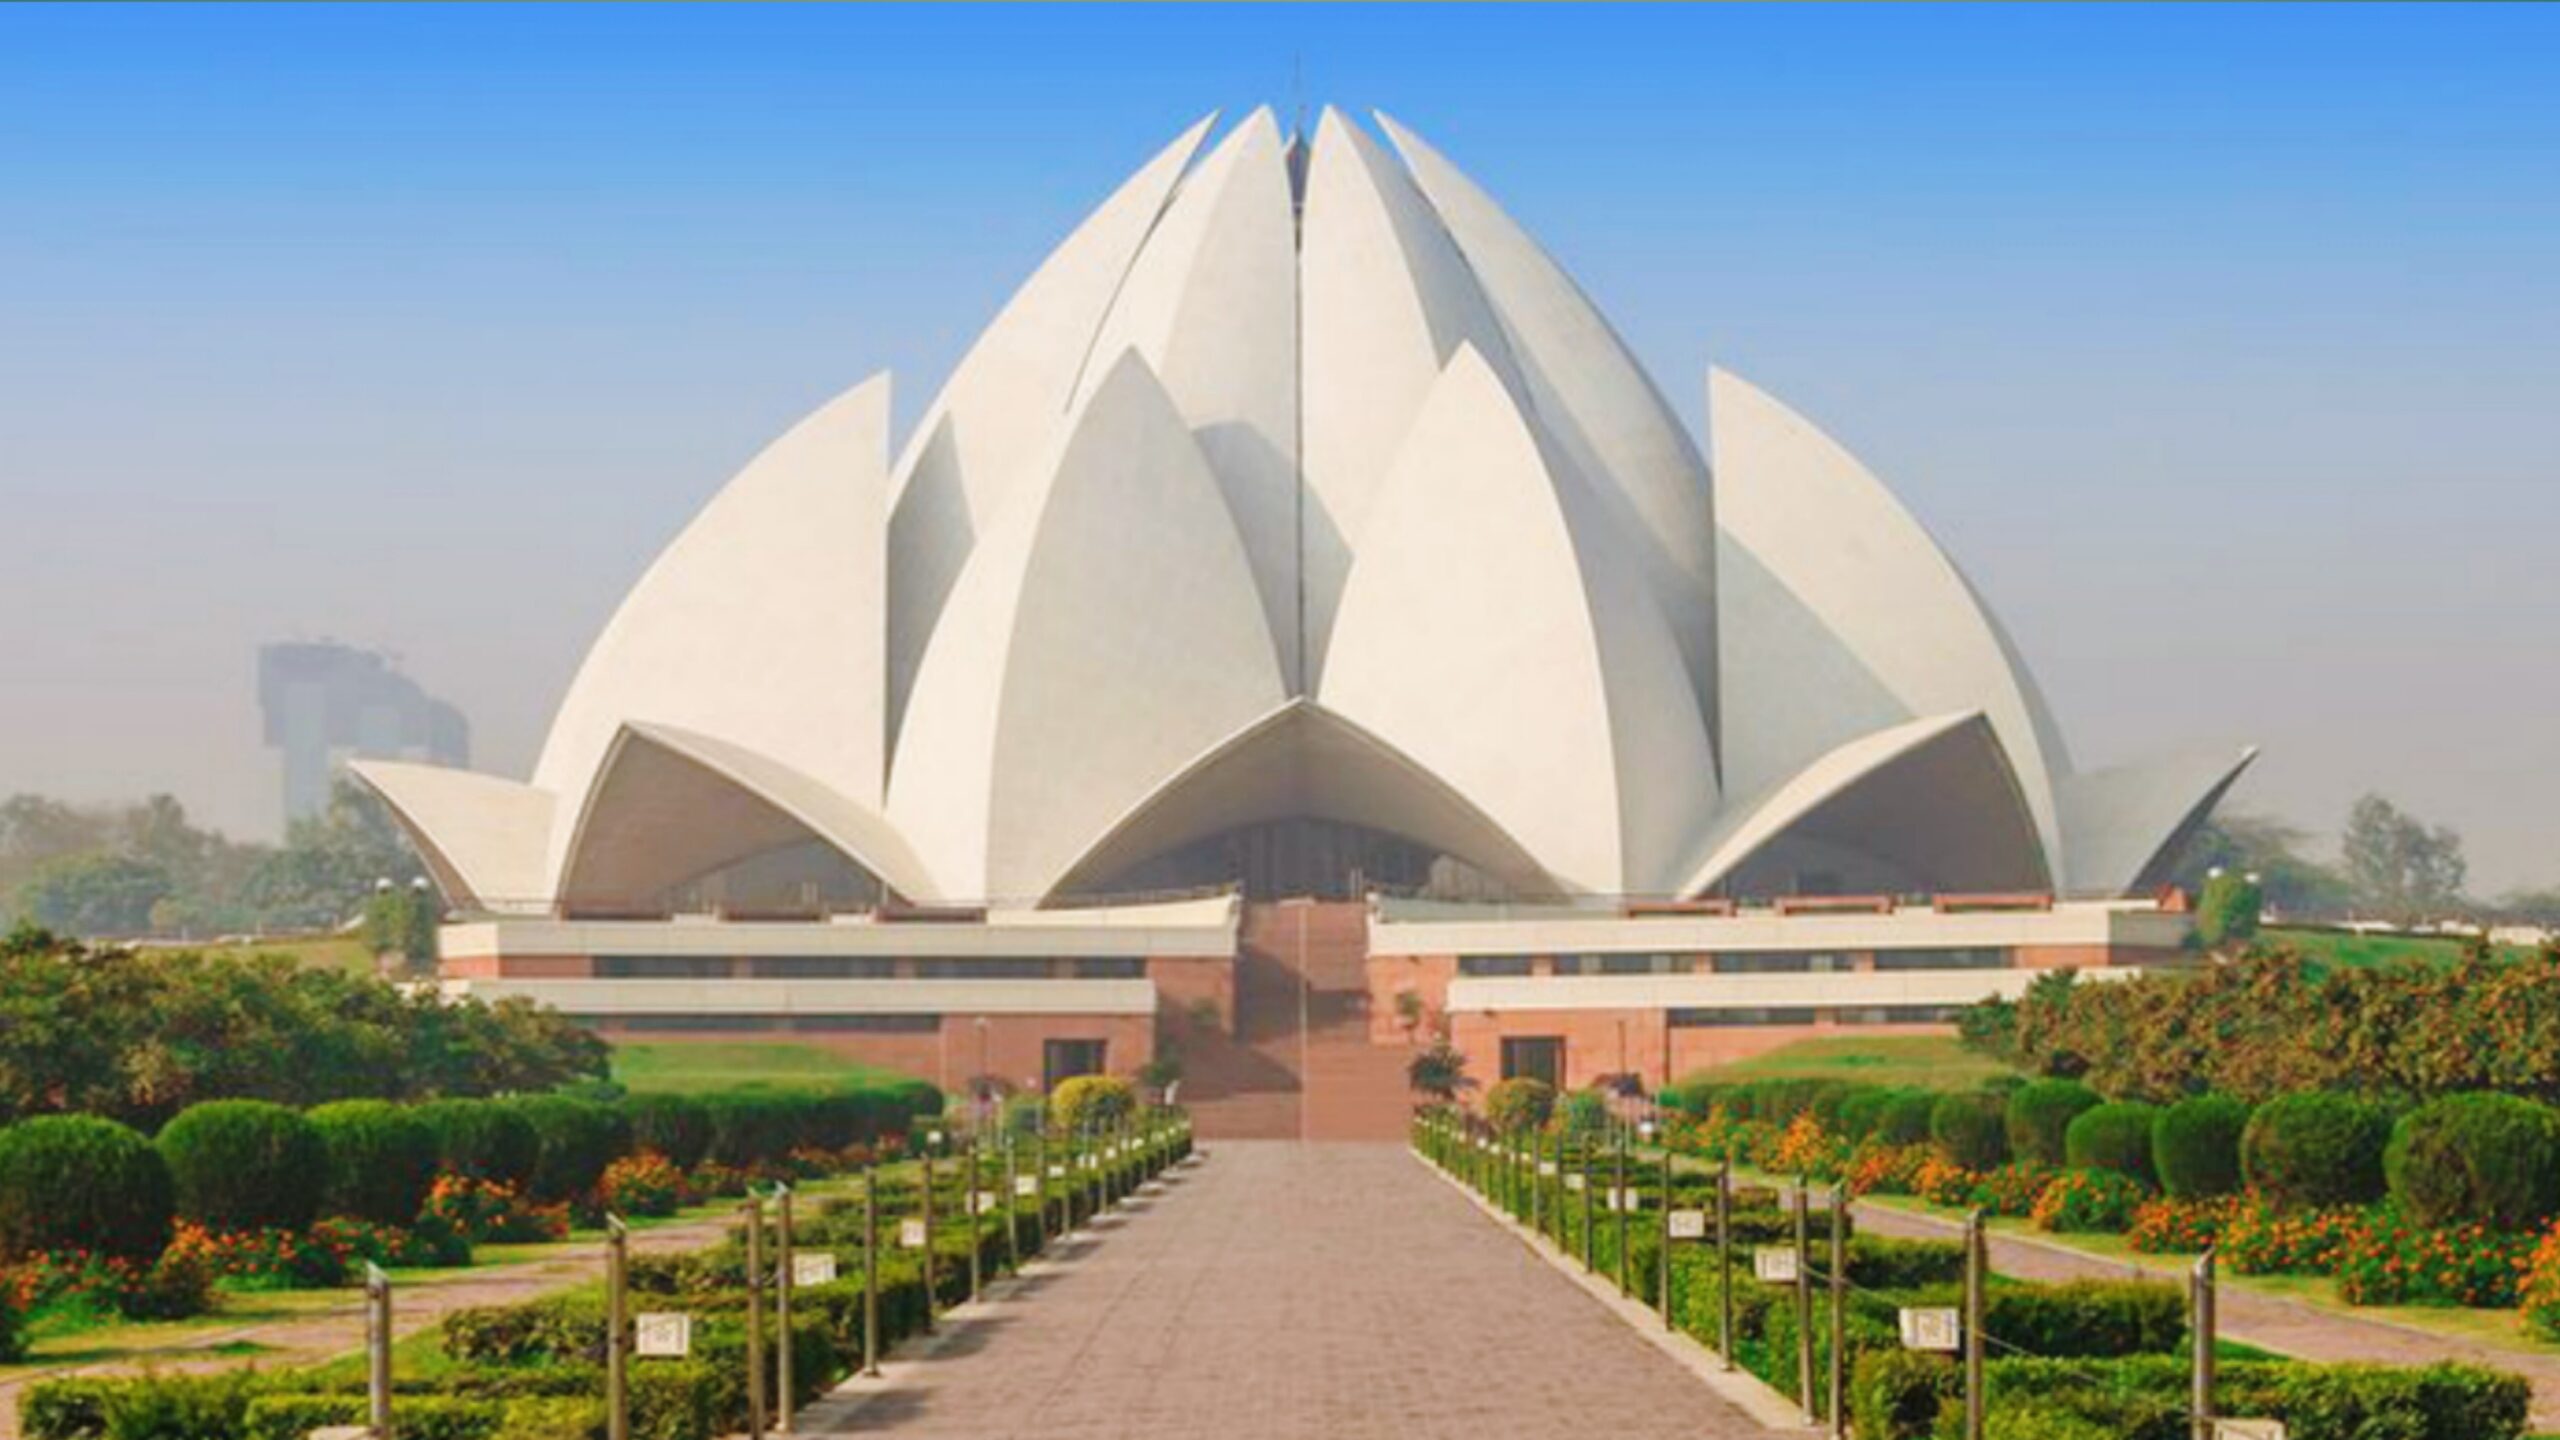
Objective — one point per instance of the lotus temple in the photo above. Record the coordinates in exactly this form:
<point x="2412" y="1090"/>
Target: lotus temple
<point x="1297" y="629"/>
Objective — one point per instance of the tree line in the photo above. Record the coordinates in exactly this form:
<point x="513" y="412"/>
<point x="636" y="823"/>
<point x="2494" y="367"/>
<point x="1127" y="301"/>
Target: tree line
<point x="2390" y="866"/>
<point x="138" y="1035"/>
<point x="146" y="869"/>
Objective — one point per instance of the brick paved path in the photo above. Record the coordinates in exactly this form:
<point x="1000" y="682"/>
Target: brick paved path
<point x="1299" y="1291"/>
<point x="2269" y="1322"/>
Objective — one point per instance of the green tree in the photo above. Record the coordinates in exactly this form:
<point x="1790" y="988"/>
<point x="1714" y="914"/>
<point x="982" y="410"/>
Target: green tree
<point x="97" y="893"/>
<point x="2401" y="868"/>
<point x="2272" y="850"/>
<point x="331" y="862"/>
<point x="1439" y="1072"/>
<point x="2228" y="913"/>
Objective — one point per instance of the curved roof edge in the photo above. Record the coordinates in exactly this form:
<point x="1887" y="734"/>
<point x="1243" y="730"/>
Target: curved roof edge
<point x="483" y="838"/>
<point x="1864" y="767"/>
<point x="1303" y="759"/>
<point x="669" y="805"/>
<point x="861" y="834"/>
<point x="2123" y="827"/>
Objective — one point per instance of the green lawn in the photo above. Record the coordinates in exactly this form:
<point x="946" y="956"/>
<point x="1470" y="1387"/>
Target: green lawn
<point x="317" y="952"/>
<point x="1936" y="1061"/>
<point x="694" y="1067"/>
<point x="2340" y="948"/>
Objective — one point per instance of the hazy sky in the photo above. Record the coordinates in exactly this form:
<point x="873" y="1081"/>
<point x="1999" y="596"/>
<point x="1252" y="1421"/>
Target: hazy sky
<point x="2221" y="345"/>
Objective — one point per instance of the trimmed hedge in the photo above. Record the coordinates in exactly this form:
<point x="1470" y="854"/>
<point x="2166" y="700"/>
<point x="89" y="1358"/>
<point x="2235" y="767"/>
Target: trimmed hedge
<point x="2485" y="1158"/>
<point x="2315" y="1148"/>
<point x="484" y="1139"/>
<point x="1097" y="1100"/>
<point x="2115" y="1137"/>
<point x="245" y="1165"/>
<point x="676" y="1126"/>
<point x="77" y="1182"/>
<point x="1972" y="1128"/>
<point x="1895" y="1395"/>
<point x="2195" y="1146"/>
<point x="1906" y="1117"/>
<point x="574" y="1140"/>
<point x="2040" y="1115"/>
<point x="382" y="1160"/>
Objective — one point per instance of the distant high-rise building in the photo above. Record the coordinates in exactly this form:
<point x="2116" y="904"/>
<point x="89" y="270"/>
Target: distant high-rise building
<point x="325" y="703"/>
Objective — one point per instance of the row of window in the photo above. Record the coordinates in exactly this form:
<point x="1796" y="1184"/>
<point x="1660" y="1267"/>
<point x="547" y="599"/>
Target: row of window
<point x="863" y="967"/>
<point x="767" y="1024"/>
<point x="1740" y="962"/>
<point x="1805" y="1015"/>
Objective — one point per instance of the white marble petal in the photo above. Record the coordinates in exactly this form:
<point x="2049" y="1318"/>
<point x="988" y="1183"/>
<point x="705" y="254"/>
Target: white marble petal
<point x="1106" y="633"/>
<point x="484" y="838"/>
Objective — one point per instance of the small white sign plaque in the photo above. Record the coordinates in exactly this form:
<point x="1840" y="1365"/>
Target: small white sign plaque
<point x="1546" y="1168"/>
<point x="662" y="1335"/>
<point x="1932" y="1327"/>
<point x="1575" y="1182"/>
<point x="1057" y="1172"/>
<point x="1774" y="1264"/>
<point x="2248" y="1430"/>
<point x="989" y="1202"/>
<point x="1026" y="1184"/>
<point x="813" y="1269"/>
<point x="911" y="1233"/>
<point x="1688" y="1224"/>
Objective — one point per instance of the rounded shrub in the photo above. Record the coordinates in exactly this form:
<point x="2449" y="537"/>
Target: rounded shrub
<point x="574" y="1140"/>
<point x="747" y="1128"/>
<point x="1905" y="1120"/>
<point x="1091" y="1100"/>
<point x="1583" y="1113"/>
<point x="245" y="1165"/>
<point x="79" y="1182"/>
<point x="2315" y="1147"/>
<point x="1971" y="1126"/>
<point x="2040" y="1116"/>
<point x="2195" y="1146"/>
<point x="2488" y="1159"/>
<point x="1519" y="1104"/>
<point x="2114" y="1137"/>
<point x="382" y="1160"/>
<point x="675" y="1126"/>
<point x="1862" y="1110"/>
<point x="484" y="1139"/>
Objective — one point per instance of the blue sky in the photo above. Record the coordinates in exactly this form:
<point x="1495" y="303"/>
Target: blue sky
<point x="2219" y="343"/>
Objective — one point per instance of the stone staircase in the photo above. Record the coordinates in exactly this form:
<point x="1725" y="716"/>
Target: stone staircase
<point x="1300" y="1064"/>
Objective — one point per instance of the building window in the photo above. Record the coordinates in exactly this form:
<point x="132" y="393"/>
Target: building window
<point x="1064" y="1060"/>
<point x="1534" y="1057"/>
<point x="822" y="967"/>
<point x="1634" y="964"/>
<point x="663" y="967"/>
<point x="1781" y="962"/>
<point x="864" y="1024"/>
<point x="1987" y="958"/>
<point x="1771" y="1015"/>
<point x="1493" y="965"/>
<point x="692" y="1024"/>
<point x="983" y="969"/>
<point x="1898" y="1015"/>
<point x="1111" y="967"/>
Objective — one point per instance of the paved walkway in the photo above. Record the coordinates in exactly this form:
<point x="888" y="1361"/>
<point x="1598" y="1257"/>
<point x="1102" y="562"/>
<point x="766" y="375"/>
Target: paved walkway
<point x="2269" y="1322"/>
<point x="1282" y="1290"/>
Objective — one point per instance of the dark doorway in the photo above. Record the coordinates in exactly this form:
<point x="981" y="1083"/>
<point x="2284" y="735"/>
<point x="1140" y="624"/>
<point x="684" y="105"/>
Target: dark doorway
<point x="1535" y="1057"/>
<point x="1062" y="1060"/>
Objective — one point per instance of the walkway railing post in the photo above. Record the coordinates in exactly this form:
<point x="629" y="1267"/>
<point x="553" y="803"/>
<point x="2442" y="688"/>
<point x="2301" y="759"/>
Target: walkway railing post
<point x="1590" y="1201"/>
<point x="753" y="1209"/>
<point x="617" y="1329"/>
<point x="782" y="1308"/>
<point x="1724" y="1262"/>
<point x="2201" y="1331"/>
<point x="377" y="1344"/>
<point x="1621" y="1201"/>
<point x="1974" y="1260"/>
<point x="1012" y="1205"/>
<point x="1662" y="1238"/>
<point x="932" y="1297"/>
<point x="977" y="1230"/>
<point x="1839" y="1395"/>
<point x="1804" y="1301"/>
<point x="870" y="1272"/>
